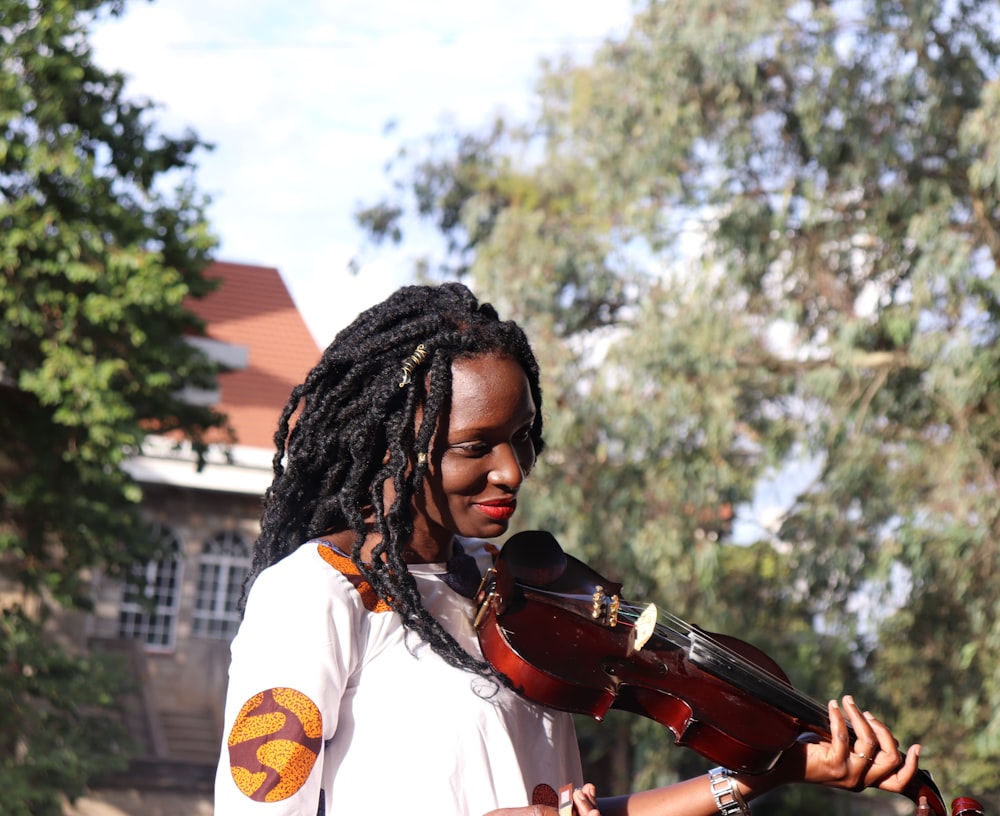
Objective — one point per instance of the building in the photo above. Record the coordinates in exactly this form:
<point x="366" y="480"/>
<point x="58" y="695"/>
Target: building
<point x="207" y="520"/>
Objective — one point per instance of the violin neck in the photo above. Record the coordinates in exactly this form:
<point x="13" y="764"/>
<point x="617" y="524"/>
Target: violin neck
<point x="709" y="654"/>
<point x="706" y="652"/>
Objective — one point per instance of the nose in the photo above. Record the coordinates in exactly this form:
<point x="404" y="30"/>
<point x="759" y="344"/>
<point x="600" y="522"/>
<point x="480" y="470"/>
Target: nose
<point x="506" y="471"/>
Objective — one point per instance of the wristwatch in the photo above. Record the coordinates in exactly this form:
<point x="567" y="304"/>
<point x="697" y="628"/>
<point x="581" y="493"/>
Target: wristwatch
<point x="726" y="793"/>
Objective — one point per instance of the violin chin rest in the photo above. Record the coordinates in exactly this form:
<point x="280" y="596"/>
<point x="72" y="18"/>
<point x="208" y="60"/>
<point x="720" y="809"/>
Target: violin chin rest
<point x="534" y="558"/>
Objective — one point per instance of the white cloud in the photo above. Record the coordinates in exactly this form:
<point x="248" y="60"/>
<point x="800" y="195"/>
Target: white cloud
<point x="295" y="98"/>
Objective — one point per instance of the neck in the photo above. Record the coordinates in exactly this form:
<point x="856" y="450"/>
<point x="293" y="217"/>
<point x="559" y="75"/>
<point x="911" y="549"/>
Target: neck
<point x="427" y="551"/>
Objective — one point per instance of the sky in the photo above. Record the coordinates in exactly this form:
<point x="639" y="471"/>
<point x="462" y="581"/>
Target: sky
<point x="296" y="99"/>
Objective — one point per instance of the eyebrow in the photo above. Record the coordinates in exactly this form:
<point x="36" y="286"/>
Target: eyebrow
<point x="528" y="419"/>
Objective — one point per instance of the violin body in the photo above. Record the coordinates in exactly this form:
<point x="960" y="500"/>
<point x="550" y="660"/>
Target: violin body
<point x="523" y="631"/>
<point x="563" y="637"/>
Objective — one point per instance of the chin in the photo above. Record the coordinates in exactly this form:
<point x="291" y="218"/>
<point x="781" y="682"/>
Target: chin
<point x="490" y="529"/>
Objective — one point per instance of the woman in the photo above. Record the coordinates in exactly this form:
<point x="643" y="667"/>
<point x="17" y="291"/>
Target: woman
<point x="356" y="680"/>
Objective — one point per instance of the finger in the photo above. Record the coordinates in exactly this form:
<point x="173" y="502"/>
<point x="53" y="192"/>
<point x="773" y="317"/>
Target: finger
<point x="585" y="800"/>
<point x="866" y="742"/>
<point x="859" y="760"/>
<point x="888" y="745"/>
<point x="872" y="737"/>
<point x="898" y="779"/>
<point x="839" y="737"/>
<point x="863" y="731"/>
<point x="888" y="759"/>
<point x="891" y="769"/>
<point x="860" y="754"/>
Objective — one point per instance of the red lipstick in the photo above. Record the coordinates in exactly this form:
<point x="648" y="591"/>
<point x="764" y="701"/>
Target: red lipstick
<point x="498" y="511"/>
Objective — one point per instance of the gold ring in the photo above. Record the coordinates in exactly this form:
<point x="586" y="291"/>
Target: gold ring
<point x="863" y="756"/>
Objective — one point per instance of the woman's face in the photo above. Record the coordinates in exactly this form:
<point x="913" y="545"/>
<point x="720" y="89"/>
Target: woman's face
<point x="481" y="454"/>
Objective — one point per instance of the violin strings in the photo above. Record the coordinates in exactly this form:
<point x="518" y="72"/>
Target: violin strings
<point x="679" y="634"/>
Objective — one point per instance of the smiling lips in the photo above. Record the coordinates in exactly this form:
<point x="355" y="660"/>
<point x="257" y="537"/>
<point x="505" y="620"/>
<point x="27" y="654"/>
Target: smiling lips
<point x="498" y="511"/>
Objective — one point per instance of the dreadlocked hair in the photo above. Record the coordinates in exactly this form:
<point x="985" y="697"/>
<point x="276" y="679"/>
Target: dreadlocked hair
<point x="355" y="429"/>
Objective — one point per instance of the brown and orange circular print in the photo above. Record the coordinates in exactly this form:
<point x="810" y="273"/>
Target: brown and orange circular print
<point x="273" y="744"/>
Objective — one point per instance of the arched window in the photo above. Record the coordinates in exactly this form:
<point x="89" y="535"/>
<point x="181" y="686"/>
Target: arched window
<point x="223" y="566"/>
<point x="152" y="594"/>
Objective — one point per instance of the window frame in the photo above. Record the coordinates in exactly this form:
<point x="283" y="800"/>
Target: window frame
<point x="160" y="579"/>
<point x="222" y="568"/>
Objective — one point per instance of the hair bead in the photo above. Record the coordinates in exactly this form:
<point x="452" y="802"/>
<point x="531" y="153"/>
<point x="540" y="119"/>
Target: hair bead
<point x="415" y="359"/>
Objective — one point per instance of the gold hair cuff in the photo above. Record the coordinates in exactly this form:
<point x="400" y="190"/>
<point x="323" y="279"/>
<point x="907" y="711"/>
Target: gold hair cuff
<point x="411" y="363"/>
<point x="726" y="793"/>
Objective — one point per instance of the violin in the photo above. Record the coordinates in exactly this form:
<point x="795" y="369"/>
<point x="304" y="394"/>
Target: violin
<point x="564" y="637"/>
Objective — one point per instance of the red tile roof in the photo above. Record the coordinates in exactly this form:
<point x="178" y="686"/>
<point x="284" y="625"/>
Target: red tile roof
<point x="253" y="308"/>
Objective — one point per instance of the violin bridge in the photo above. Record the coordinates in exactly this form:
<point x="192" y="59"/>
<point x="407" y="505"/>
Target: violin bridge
<point x="643" y="628"/>
<point x="604" y="607"/>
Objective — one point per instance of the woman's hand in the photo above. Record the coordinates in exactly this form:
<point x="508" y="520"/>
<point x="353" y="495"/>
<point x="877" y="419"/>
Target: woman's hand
<point x="584" y="803"/>
<point x="872" y="761"/>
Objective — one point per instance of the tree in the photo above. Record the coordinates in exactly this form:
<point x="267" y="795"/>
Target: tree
<point x="96" y="260"/>
<point x="749" y="235"/>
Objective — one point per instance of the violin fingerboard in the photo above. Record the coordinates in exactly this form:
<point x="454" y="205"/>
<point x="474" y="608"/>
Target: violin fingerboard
<point x="725" y="664"/>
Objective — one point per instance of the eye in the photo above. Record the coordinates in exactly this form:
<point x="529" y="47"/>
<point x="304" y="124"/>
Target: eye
<point x="473" y="449"/>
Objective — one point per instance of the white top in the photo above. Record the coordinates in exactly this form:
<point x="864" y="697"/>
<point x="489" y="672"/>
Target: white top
<point x="333" y="708"/>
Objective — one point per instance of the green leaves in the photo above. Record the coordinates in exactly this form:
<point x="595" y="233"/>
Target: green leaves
<point x="55" y="731"/>
<point x="96" y="260"/>
<point x="752" y="241"/>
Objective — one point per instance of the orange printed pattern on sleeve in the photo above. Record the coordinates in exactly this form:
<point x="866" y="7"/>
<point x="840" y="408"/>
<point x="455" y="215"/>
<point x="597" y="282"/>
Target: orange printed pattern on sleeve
<point x="273" y="744"/>
<point x="346" y="567"/>
<point x="545" y="795"/>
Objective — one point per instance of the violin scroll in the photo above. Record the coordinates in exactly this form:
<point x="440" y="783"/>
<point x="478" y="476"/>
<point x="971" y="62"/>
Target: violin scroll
<point x="966" y="806"/>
